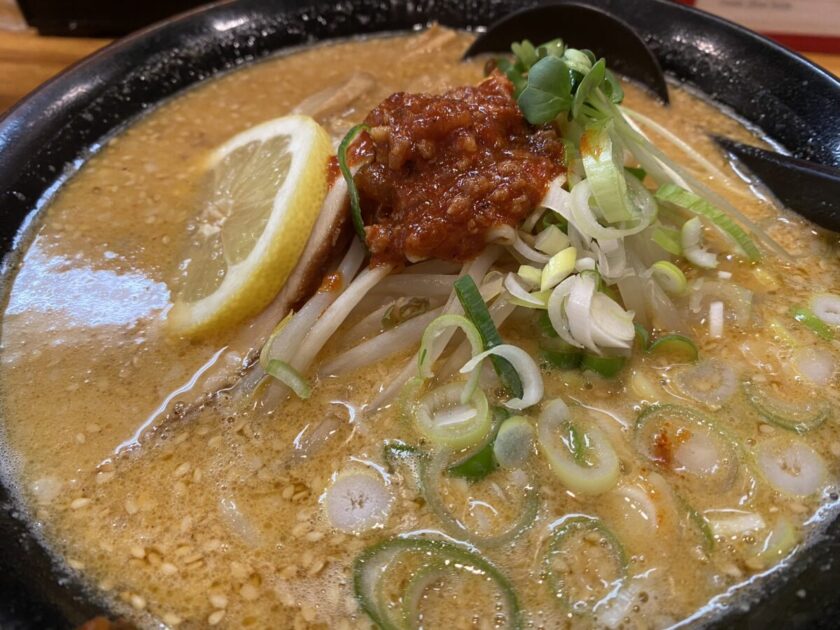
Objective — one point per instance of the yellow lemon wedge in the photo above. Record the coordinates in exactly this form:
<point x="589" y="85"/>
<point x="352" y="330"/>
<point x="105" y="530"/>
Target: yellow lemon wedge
<point x="260" y="196"/>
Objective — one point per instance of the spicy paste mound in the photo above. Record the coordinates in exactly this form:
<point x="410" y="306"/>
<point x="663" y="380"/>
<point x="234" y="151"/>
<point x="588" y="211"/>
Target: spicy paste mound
<point x="446" y="169"/>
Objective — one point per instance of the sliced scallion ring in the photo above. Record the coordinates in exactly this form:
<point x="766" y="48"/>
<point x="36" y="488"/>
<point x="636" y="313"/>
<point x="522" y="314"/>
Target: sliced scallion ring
<point x="433" y="331"/>
<point x="800" y="415"/>
<point x="826" y="306"/>
<point x="606" y="366"/>
<point x="560" y="354"/>
<point x="676" y="346"/>
<point x="514" y="442"/>
<point x="682" y="198"/>
<point x="526" y="369"/>
<point x="668" y="239"/>
<point x="670" y="277"/>
<point x="584" y="563"/>
<point x="710" y="382"/>
<point x="441" y="417"/>
<point x="691" y="238"/>
<point x="808" y="319"/>
<point x="687" y="444"/>
<point x="525" y="491"/>
<point x="476" y="310"/>
<point x="781" y="540"/>
<point x="579" y="454"/>
<point x="604" y="166"/>
<point x="790" y="466"/>
<point x="389" y="564"/>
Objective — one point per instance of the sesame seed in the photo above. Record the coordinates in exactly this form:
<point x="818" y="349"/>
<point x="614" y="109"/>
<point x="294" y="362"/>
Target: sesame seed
<point x="314" y="536"/>
<point x="315" y="567"/>
<point x="167" y="568"/>
<point x="80" y="503"/>
<point x="80" y="438"/>
<point x="249" y="592"/>
<point x="217" y="600"/>
<point x="171" y="619"/>
<point x="138" y="552"/>
<point x="138" y="602"/>
<point x="93" y="428"/>
<point x="288" y="492"/>
<point x="238" y="570"/>
<point x="76" y="564"/>
<point x="216" y="617"/>
<point x="308" y="613"/>
<point x="300" y="529"/>
<point x="182" y="470"/>
<point x="104" y="477"/>
<point x="131" y="506"/>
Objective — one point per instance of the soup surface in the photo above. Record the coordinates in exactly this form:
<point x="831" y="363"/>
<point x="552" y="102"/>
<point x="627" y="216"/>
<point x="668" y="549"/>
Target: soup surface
<point x="214" y="514"/>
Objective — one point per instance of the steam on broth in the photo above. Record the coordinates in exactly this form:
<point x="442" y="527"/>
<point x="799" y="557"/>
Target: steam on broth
<point x="596" y="480"/>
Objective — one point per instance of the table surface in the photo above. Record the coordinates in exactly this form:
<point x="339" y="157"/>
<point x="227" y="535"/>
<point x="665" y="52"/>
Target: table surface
<point x="27" y="60"/>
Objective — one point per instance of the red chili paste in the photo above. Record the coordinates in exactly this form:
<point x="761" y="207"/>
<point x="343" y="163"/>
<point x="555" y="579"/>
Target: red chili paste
<point x="446" y="169"/>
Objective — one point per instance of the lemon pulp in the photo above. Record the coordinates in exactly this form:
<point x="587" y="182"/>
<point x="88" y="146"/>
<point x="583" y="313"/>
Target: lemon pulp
<point x="258" y="201"/>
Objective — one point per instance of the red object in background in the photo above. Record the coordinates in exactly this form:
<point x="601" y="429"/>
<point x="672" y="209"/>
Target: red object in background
<point x="808" y="25"/>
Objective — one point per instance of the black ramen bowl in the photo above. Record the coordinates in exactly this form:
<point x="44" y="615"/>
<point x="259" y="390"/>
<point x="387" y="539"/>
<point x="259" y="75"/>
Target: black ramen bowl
<point x="49" y="135"/>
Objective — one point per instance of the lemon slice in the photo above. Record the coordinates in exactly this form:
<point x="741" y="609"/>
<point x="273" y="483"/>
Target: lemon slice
<point x="260" y="196"/>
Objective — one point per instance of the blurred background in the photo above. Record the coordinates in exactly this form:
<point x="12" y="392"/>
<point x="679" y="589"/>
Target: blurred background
<point x="810" y="25"/>
<point x="39" y="38"/>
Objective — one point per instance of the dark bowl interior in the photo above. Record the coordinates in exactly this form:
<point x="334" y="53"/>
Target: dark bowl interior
<point x="49" y="134"/>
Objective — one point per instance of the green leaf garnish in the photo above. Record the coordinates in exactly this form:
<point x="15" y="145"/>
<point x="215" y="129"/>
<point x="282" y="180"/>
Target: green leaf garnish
<point x="548" y="92"/>
<point x="355" y="206"/>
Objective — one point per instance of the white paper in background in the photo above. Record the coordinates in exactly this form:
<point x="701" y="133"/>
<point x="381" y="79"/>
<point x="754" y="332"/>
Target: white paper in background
<point x="794" y="17"/>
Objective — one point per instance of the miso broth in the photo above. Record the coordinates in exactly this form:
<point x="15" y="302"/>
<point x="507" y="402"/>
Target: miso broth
<point x="177" y="507"/>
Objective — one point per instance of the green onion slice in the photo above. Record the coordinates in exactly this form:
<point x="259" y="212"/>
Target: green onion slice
<point x="676" y="346"/>
<point x="585" y="563"/>
<point x="289" y="376"/>
<point x="480" y="460"/>
<point x="391" y="564"/>
<point x="807" y="318"/>
<point x="781" y="540"/>
<point x="687" y="444"/>
<point x="521" y="488"/>
<point x="682" y="198"/>
<point x="668" y="239"/>
<point x="606" y="366"/>
<point x="526" y="368"/>
<point x="476" y="310"/>
<point x="580" y="455"/>
<point x="435" y="328"/>
<point x="670" y="277"/>
<point x="799" y="415"/>
<point x="477" y="465"/>
<point x="642" y="336"/>
<point x="353" y="192"/>
<point x="691" y="238"/>
<point x="604" y="166"/>
<point x="514" y="442"/>
<point x="826" y="306"/>
<point x="560" y="354"/>
<point x="441" y="417"/>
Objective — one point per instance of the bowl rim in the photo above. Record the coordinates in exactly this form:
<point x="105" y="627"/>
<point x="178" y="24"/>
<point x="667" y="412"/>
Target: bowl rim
<point x="56" y="103"/>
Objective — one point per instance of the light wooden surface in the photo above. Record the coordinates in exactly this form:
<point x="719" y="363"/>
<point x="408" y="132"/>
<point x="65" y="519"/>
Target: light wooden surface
<point x="27" y="60"/>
